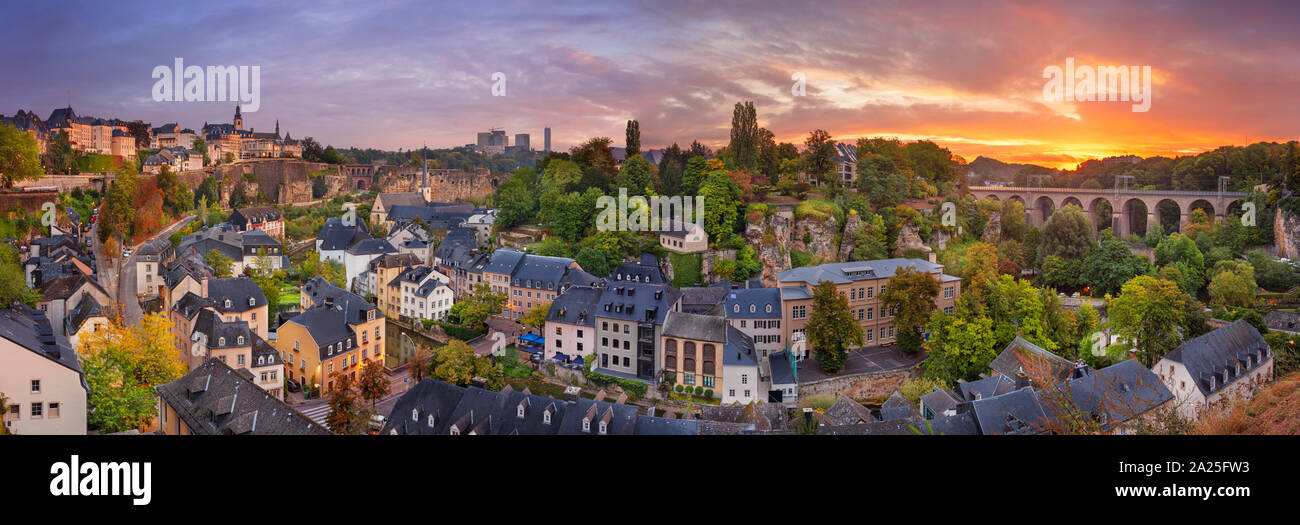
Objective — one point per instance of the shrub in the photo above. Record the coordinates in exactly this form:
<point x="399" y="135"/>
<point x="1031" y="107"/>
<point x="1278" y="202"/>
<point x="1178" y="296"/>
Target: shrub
<point x="678" y="389"/>
<point x="708" y="393"/>
<point x="699" y="390"/>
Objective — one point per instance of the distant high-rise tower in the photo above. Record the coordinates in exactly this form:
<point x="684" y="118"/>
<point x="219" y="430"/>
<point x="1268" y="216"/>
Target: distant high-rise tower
<point x="521" y="141"/>
<point x="548" y="141"/>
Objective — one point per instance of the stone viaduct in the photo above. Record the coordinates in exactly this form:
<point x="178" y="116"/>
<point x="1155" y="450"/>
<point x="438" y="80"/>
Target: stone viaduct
<point x="1127" y="206"/>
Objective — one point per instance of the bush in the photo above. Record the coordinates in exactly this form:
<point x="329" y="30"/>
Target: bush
<point x="708" y="393"/>
<point x="459" y="332"/>
<point x="678" y="389"/>
<point x="699" y="390"/>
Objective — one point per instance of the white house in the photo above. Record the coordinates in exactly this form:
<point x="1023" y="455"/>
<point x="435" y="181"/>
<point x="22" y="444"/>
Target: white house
<point x="41" y="376"/>
<point x="571" y="322"/>
<point x="1225" y="364"/>
<point x="425" y="293"/>
<point x="740" y="380"/>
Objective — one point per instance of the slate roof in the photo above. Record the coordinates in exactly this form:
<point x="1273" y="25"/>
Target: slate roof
<point x="846" y="411"/>
<point x="63" y="286"/>
<point x="239" y="290"/>
<point x="702" y="300"/>
<point x="695" y="326"/>
<point x="540" y="272"/>
<point x="794" y="293"/>
<point x="406" y="198"/>
<point x="739" y="349"/>
<point x="576" y="306"/>
<point x="335" y="236"/>
<point x="660" y="426"/>
<point x="1021" y="357"/>
<point x="847" y="272"/>
<point x="29" y="328"/>
<point x="638" y="272"/>
<point x="320" y="291"/>
<point x="986" y="387"/>
<point x="220" y="333"/>
<point x="1016" y="412"/>
<point x="897" y="407"/>
<point x="642" y="298"/>
<point x="488" y="412"/>
<point x="86" y="308"/>
<point x="939" y="401"/>
<point x="782" y="370"/>
<point x="1118" y="393"/>
<point x="760" y="299"/>
<point x="326" y="326"/>
<point x="371" y="247"/>
<point x="1212" y="359"/>
<point x="214" y="399"/>
<point x="459" y="241"/>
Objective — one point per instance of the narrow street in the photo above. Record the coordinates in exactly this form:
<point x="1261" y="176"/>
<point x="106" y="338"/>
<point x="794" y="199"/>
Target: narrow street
<point x="125" y="289"/>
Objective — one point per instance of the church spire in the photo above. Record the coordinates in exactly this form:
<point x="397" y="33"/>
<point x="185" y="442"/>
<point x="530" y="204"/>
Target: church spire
<point x="277" y="127"/>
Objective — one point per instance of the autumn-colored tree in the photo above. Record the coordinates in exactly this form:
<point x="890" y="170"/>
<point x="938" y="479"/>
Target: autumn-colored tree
<point x="1147" y="315"/>
<point x="122" y="364"/>
<point x="372" y="384"/>
<point x="911" y="295"/>
<point x="831" y="327"/>
<point x="343" y="417"/>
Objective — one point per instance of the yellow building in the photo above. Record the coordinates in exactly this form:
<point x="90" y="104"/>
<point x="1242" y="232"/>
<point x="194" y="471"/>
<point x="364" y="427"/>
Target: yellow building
<point x="337" y="334"/>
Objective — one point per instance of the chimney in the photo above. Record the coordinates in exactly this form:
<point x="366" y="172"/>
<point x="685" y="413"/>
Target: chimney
<point x="933" y="257"/>
<point x="203" y="285"/>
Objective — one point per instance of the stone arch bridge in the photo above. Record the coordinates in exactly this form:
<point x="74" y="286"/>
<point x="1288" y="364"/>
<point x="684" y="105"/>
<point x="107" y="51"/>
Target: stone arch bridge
<point x="1127" y="206"/>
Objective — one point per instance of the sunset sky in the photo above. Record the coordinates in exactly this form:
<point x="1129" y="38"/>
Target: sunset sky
<point x="968" y="75"/>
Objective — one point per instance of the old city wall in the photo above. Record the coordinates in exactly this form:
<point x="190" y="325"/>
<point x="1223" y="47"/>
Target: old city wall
<point x="873" y="385"/>
<point x="279" y="181"/>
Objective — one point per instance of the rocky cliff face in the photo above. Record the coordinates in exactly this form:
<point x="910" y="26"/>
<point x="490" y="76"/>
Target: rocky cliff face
<point x="817" y="237"/>
<point x="1286" y="234"/>
<point x="993" y="230"/>
<point x="852" y="226"/>
<point x="909" y="238"/>
<point x="771" y="241"/>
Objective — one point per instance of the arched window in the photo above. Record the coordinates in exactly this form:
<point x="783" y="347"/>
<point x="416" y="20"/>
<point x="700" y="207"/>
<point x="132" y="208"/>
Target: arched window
<point x="735" y="308"/>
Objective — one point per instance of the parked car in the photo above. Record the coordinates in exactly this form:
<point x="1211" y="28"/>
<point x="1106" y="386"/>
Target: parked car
<point x="375" y="424"/>
<point x="292" y="385"/>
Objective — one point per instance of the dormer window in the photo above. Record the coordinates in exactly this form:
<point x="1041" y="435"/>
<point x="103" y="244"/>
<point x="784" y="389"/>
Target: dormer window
<point x="735" y="308"/>
<point x="546" y="417"/>
<point x="519" y="411"/>
<point x="239" y="340"/>
<point x="431" y="420"/>
<point x="252" y="301"/>
<point x="221" y="341"/>
<point x="769" y="308"/>
<point x="228" y="303"/>
<point x="752" y="309"/>
<point x="603" y="428"/>
<point x="455" y="431"/>
<point x="586" y="425"/>
<point x="415" y="414"/>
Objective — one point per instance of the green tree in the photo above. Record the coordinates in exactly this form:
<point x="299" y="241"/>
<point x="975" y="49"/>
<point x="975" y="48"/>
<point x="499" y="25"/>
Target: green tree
<point x="831" y="328"/>
<point x="456" y="363"/>
<point x="536" y="317"/>
<point x="721" y="200"/>
<point x="871" y="241"/>
<point x="637" y="175"/>
<point x="1067" y="234"/>
<point x="1178" y="248"/>
<point x="479" y="305"/>
<point x="1232" y="283"/>
<point x="693" y="177"/>
<point x="19" y="156"/>
<point x="1013" y="219"/>
<point x="122" y="364"/>
<point x="59" y="155"/>
<point x="1111" y="265"/>
<point x="818" y="151"/>
<point x="13" y="285"/>
<point x="960" y="348"/>
<point x="911" y="296"/>
<point x="593" y="261"/>
<point x="745" y="137"/>
<point x="1147" y="315"/>
<point x="880" y="181"/>
<point x="633" y="141"/>
<point x="220" y="264"/>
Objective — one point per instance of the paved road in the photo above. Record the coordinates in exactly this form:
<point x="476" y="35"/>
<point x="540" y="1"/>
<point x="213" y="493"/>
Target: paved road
<point x="126" y="288"/>
<point x="861" y="361"/>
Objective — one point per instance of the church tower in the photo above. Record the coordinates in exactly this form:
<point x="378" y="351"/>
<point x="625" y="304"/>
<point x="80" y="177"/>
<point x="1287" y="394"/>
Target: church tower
<point x="425" y="191"/>
<point x="239" y="120"/>
<point x="277" y="127"/>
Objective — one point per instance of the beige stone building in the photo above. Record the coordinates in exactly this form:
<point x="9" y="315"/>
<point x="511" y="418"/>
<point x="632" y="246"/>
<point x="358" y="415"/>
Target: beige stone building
<point x="40" y="377"/>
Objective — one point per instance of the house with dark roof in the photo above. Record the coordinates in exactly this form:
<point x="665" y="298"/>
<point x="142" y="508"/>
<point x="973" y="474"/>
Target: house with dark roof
<point x="266" y="218"/>
<point x="419" y="292"/>
<point x="236" y="344"/>
<point x="433" y="407"/>
<point x="337" y="332"/>
<point x="87" y="315"/>
<point x="1209" y="370"/>
<point x="60" y="295"/>
<point x="528" y="280"/>
<point x="1014" y="413"/>
<point x="629" y="328"/>
<point x="216" y="399"/>
<point x="683" y="237"/>
<point x="757" y="313"/>
<point x="783" y="382"/>
<point x="1113" y="397"/>
<point x="571" y="324"/>
<point x="336" y="236"/>
<point x="385" y="201"/>
<point x="1030" y="365"/>
<point x="41" y="376"/>
<point x="149" y="261"/>
<point x="704" y="300"/>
